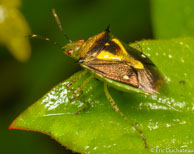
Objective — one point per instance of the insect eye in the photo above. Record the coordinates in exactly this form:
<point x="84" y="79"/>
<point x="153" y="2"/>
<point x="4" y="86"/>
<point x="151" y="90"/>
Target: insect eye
<point x="80" y="40"/>
<point x="70" y="52"/>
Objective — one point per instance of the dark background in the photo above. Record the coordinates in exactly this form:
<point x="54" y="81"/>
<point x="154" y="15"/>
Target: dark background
<point x="21" y="84"/>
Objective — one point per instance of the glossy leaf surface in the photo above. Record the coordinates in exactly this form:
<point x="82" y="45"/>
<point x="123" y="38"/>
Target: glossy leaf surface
<point x="166" y="118"/>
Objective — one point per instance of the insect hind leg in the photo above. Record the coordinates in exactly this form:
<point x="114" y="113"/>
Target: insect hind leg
<point x="115" y="107"/>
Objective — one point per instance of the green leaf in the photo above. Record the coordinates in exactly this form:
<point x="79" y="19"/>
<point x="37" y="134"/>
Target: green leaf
<point x="172" y="18"/>
<point x="13" y="28"/>
<point x="166" y="119"/>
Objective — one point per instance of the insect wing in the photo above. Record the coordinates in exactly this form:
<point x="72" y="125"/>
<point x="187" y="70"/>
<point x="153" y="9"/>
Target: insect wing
<point x="114" y="70"/>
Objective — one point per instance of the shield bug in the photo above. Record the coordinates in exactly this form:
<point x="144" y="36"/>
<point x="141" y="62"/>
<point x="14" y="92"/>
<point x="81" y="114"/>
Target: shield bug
<point x="114" y="63"/>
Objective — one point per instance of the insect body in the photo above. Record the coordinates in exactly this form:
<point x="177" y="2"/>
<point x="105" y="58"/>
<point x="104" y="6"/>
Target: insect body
<point x="110" y="59"/>
<point x="118" y="65"/>
<point x="114" y="63"/>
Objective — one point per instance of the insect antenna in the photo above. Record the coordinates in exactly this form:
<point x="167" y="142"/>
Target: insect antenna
<point x="60" y="26"/>
<point x="46" y="39"/>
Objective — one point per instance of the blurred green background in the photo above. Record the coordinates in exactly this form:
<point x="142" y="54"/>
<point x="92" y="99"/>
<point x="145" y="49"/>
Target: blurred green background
<point x="24" y="83"/>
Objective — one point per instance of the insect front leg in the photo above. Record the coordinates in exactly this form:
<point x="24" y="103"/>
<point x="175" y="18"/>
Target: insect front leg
<point x="116" y="108"/>
<point x="78" y="92"/>
<point x="76" y="79"/>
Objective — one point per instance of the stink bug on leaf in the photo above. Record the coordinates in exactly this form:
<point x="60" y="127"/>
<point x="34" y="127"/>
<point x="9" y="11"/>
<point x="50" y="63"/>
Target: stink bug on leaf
<point x="114" y="63"/>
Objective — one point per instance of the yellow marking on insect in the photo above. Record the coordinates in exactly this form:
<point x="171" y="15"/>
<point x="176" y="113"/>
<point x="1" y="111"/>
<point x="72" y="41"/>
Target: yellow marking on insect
<point x="107" y="44"/>
<point x="121" y="55"/>
<point x="137" y="64"/>
<point x="126" y="57"/>
<point x="105" y="55"/>
<point x="120" y="45"/>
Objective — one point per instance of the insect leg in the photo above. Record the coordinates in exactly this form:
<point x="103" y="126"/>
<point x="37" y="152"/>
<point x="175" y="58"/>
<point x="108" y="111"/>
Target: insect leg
<point x="77" y="92"/>
<point x="76" y="78"/>
<point x="115" y="107"/>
